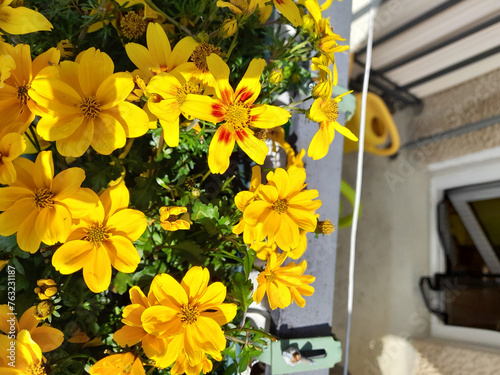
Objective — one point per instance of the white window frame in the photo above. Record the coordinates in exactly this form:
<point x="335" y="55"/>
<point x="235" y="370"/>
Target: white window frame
<point x="476" y="168"/>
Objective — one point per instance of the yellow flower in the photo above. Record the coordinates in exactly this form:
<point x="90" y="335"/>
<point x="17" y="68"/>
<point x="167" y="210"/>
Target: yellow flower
<point x="21" y="20"/>
<point x="12" y="145"/>
<point x="190" y="314"/>
<point x="326" y="112"/>
<point x="83" y="104"/>
<point x="174" y="218"/>
<point x="28" y="358"/>
<point x="133" y="332"/>
<point x="283" y="285"/>
<point x="167" y="93"/>
<point x="15" y="103"/>
<point x="283" y="208"/>
<point x="238" y="110"/>
<point x="46" y="288"/>
<point x="182" y="366"/>
<point x="118" y="364"/>
<point x="159" y="56"/>
<point x="103" y="239"/>
<point x="46" y="337"/>
<point x="7" y="63"/>
<point x="39" y="206"/>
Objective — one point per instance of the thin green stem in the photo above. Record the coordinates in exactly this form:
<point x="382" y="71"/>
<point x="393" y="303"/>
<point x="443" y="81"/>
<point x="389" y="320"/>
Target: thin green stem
<point x="294" y="104"/>
<point x="252" y="330"/>
<point x="233" y="44"/>
<point x="170" y="19"/>
<point x="35" y="138"/>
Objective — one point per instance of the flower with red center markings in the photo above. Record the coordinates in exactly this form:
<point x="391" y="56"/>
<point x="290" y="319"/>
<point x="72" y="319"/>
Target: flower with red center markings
<point x="238" y="112"/>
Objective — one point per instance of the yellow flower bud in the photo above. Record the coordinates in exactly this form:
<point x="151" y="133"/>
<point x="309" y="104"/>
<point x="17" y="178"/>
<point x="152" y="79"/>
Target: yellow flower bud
<point x="324" y="227"/>
<point x="229" y="27"/>
<point x="276" y="76"/>
<point x="46" y="288"/>
<point x="44" y="309"/>
<point x="66" y="48"/>
<point x="323" y="90"/>
<point x="307" y="23"/>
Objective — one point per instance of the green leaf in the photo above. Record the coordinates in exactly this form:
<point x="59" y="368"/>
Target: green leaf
<point x="201" y="210"/>
<point x="122" y="282"/>
<point x="242" y="291"/>
<point x="248" y="261"/>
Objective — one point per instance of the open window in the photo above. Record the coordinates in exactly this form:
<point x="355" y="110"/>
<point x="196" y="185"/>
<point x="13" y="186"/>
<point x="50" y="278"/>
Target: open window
<point x="467" y="293"/>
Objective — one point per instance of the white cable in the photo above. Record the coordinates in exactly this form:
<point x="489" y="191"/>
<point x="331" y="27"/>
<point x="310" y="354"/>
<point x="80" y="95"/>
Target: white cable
<point x="359" y="179"/>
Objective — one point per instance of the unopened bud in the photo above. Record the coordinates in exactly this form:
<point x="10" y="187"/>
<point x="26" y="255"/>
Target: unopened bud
<point x="229" y="27"/>
<point x="307" y="23"/>
<point x="324" y="227"/>
<point x="276" y="76"/>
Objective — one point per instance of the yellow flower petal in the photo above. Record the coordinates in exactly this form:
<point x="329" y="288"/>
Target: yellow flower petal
<point x="81" y="202"/>
<point x="22" y="20"/>
<point x="129" y="335"/>
<point x="167" y="290"/>
<point x="181" y="52"/>
<point x="289" y="10"/>
<point x="249" y="87"/>
<point x="253" y="147"/>
<point x="222" y="314"/>
<point x="44" y="170"/>
<point x="53" y="224"/>
<point x="95" y="66"/>
<point x="220" y="149"/>
<point x="68" y="182"/>
<point x="72" y="256"/>
<point x="158" y="44"/>
<point x="195" y="283"/>
<point x="269" y="118"/>
<point x="133" y="119"/>
<point x="47" y="338"/>
<point x="287" y="236"/>
<point x="114" y="89"/>
<point x="220" y="70"/>
<point x="162" y="321"/>
<point x="170" y="132"/>
<point x="27" y="239"/>
<point x="79" y="141"/>
<point x="97" y="272"/>
<point x="141" y="58"/>
<point x="108" y="134"/>
<point x="318" y="148"/>
<point x="57" y="128"/>
<point x="128" y="223"/>
<point x="115" y="198"/>
<point x="204" y="108"/>
<point x="123" y="255"/>
<point x="345" y="131"/>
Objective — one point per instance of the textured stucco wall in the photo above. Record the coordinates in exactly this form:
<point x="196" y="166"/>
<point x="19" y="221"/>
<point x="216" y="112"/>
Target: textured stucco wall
<point x="469" y="102"/>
